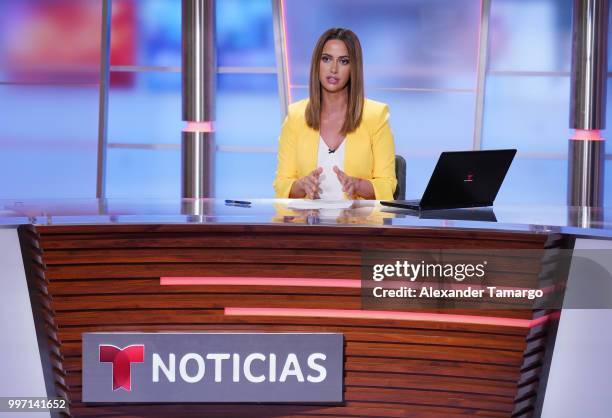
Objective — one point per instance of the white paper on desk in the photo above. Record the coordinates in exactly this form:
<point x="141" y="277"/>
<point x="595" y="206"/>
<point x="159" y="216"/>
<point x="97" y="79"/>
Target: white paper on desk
<point x="319" y="204"/>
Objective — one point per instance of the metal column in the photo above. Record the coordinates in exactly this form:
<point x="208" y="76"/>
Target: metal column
<point x="481" y="73"/>
<point x="198" y="82"/>
<point x="280" y="42"/>
<point x="586" y="153"/>
<point x="105" y="39"/>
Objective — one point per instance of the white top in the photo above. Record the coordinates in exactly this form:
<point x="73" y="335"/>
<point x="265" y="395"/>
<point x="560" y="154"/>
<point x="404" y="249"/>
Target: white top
<point x="331" y="189"/>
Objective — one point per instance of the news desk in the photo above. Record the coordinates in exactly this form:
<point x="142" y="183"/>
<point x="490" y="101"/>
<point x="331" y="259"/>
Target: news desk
<point x="200" y="265"/>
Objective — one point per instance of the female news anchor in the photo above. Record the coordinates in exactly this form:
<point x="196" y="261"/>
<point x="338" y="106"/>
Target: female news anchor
<point x="336" y="144"/>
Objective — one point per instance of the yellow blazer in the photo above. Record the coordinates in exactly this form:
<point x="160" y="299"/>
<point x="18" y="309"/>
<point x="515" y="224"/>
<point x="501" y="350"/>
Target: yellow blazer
<point x="369" y="151"/>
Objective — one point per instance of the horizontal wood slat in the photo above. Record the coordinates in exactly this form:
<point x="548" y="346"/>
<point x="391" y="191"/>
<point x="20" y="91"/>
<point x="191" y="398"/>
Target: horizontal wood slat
<point x="356" y="333"/>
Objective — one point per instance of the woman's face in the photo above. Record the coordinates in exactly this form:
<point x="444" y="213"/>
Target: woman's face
<point x="335" y="66"/>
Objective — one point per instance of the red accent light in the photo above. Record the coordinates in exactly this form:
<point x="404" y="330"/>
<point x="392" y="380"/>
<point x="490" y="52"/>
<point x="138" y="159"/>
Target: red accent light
<point x="393" y="315"/>
<point x="587" y="135"/>
<point x="199" y="127"/>
<point x="309" y="282"/>
<point x="260" y="281"/>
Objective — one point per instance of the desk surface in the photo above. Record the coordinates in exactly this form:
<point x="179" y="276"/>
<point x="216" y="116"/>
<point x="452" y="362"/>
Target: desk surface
<point x="578" y="221"/>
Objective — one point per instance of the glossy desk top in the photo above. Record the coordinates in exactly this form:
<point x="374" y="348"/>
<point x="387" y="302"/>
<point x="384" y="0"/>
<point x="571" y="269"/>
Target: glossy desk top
<point x="579" y="221"/>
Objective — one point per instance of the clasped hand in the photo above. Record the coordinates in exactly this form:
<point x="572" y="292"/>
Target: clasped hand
<point x="310" y="183"/>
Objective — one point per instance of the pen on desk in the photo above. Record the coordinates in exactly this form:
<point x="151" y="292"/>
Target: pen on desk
<point x="237" y="202"/>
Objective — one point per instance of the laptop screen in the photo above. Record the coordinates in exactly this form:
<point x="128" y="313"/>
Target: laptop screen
<point x="467" y="178"/>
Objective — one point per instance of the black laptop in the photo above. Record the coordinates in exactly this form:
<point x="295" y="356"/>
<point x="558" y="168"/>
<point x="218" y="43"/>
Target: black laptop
<point x="462" y="179"/>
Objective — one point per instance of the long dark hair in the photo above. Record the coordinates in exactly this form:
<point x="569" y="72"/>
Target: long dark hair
<point x="355" y="85"/>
